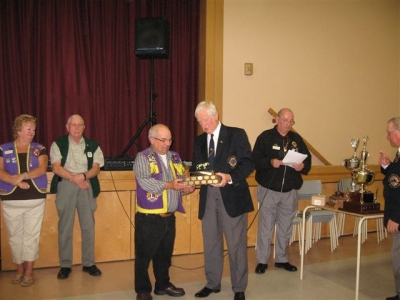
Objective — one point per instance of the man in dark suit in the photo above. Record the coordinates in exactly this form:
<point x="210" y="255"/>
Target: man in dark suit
<point x="223" y="206"/>
<point x="391" y="193"/>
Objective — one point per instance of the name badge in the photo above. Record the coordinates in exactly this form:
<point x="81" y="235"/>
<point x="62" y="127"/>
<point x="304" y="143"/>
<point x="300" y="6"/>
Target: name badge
<point x="8" y="151"/>
<point x="89" y="154"/>
<point x="276" y="147"/>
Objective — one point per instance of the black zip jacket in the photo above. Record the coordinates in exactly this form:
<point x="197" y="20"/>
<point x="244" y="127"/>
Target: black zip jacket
<point x="271" y="144"/>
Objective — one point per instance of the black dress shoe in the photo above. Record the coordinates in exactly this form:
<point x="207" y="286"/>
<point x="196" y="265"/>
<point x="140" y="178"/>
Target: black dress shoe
<point x="393" y="298"/>
<point x="239" y="296"/>
<point x="63" y="273"/>
<point x="205" y="292"/>
<point x="260" y="269"/>
<point x="144" y="296"/>
<point x="172" y="291"/>
<point x="93" y="270"/>
<point x="287" y="266"/>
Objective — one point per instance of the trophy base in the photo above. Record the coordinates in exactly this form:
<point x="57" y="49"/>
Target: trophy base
<point x="202" y="178"/>
<point x="361" y="208"/>
<point x="355" y="197"/>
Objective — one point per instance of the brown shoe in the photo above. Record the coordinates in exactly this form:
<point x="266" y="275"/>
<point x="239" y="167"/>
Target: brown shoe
<point x="144" y="296"/>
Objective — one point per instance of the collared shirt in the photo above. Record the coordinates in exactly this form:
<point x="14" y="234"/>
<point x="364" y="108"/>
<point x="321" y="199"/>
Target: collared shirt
<point x="77" y="158"/>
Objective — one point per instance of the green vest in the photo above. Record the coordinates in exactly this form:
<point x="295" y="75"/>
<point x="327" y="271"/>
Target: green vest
<point x="91" y="146"/>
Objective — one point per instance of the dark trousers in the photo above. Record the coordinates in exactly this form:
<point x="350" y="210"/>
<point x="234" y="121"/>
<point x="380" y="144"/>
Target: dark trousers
<point x="154" y="241"/>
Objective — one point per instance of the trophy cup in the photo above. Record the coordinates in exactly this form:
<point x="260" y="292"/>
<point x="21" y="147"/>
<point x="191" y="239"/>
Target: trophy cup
<point x="353" y="162"/>
<point x="361" y="200"/>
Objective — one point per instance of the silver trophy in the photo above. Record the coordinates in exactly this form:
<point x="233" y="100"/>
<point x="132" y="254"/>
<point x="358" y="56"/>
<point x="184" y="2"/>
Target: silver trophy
<point x="360" y="200"/>
<point x="353" y="162"/>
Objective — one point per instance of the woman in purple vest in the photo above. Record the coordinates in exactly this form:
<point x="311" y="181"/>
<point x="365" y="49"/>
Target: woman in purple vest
<point x="23" y="184"/>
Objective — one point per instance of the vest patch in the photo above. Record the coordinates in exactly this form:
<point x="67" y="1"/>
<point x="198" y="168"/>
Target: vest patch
<point x="394" y="181"/>
<point x="152" y="197"/>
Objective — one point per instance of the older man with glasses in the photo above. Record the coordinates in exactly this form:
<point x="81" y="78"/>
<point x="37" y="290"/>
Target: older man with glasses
<point x="277" y="189"/>
<point x="159" y="180"/>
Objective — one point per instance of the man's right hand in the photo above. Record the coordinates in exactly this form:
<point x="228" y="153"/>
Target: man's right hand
<point x="276" y="163"/>
<point x="176" y="184"/>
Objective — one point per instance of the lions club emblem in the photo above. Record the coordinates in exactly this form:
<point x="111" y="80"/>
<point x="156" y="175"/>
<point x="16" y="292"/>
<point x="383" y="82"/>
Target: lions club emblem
<point x="394" y="181"/>
<point x="232" y="161"/>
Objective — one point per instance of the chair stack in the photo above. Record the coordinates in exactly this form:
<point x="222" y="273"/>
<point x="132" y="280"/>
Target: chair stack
<point x="381" y="231"/>
<point x="297" y="224"/>
<point x="316" y="217"/>
<point x="313" y="233"/>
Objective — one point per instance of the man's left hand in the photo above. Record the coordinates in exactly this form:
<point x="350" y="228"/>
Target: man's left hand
<point x="298" y="167"/>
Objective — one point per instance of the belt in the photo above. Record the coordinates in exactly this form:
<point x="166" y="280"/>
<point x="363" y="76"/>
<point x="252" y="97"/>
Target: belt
<point x="164" y="215"/>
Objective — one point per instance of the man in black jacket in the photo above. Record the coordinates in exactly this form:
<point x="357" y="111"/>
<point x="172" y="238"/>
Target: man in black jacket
<point x="277" y="190"/>
<point x="224" y="206"/>
<point x="391" y="193"/>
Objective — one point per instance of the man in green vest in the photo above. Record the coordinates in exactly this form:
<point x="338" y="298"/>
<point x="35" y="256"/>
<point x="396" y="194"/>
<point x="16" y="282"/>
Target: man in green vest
<point x="76" y="162"/>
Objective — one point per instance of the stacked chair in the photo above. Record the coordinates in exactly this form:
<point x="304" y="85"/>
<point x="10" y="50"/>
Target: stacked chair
<point x="316" y="217"/>
<point x="297" y="224"/>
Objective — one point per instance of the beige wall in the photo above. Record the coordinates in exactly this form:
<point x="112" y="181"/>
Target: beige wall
<point x="334" y="62"/>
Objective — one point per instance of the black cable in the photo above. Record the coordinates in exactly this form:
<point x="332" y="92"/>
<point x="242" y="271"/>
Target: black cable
<point x="119" y="199"/>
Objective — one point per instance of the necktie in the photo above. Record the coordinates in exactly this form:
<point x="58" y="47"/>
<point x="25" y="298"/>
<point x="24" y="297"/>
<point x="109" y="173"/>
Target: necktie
<point x="211" y="153"/>
<point x="397" y="157"/>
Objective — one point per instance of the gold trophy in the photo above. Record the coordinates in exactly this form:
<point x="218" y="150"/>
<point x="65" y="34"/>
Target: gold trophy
<point x="361" y="200"/>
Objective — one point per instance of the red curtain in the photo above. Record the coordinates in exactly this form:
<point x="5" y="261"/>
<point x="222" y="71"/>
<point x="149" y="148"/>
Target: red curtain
<point x="63" y="57"/>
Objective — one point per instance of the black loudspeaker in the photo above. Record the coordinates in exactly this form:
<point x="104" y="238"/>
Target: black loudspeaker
<point x="152" y="38"/>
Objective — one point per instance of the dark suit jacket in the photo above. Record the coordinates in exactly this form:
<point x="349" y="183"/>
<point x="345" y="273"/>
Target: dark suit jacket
<point x="233" y="157"/>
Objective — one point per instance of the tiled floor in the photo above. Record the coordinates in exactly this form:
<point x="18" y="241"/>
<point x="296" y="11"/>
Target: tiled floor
<point x="327" y="275"/>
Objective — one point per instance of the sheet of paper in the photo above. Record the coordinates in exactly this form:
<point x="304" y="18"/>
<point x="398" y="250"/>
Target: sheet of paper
<point x="293" y="157"/>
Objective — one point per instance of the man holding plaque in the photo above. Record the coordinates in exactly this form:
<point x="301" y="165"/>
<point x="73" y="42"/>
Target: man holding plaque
<point x="391" y="193"/>
<point x="223" y="206"/>
<point x="159" y="176"/>
<point x="277" y="189"/>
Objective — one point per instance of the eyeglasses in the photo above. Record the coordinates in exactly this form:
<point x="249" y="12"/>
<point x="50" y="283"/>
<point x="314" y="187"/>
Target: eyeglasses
<point x="390" y="132"/>
<point x="284" y="120"/>
<point x="164" y="140"/>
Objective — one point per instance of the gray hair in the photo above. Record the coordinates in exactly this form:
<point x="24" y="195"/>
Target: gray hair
<point x="153" y="131"/>
<point x="208" y="105"/>
<point x="396" y="122"/>
<point x="75" y="115"/>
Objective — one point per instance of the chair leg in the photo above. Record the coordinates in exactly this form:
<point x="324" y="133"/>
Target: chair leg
<point x="333" y="234"/>
<point x="274" y="240"/>
<point x="300" y="228"/>
<point x="364" y="231"/>
<point x="340" y="223"/>
<point x="381" y="231"/>
<point x="308" y="236"/>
